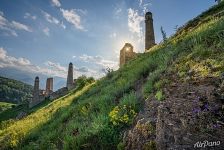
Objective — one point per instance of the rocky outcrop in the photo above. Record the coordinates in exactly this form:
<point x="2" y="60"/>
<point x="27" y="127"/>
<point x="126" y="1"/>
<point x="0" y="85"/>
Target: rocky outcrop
<point x="59" y="93"/>
<point x="190" y="117"/>
<point x="21" y="115"/>
<point x="142" y="134"/>
<point x="191" y="113"/>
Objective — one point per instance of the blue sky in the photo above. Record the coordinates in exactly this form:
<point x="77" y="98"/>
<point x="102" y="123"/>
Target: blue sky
<point x="43" y="36"/>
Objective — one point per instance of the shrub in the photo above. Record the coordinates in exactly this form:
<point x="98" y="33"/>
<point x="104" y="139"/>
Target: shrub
<point x="159" y="95"/>
<point x="121" y="146"/>
<point x="161" y="83"/>
<point x="130" y="100"/>
<point x="122" y="115"/>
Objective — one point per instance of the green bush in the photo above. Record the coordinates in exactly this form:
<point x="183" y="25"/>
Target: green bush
<point x="122" y="115"/>
<point x="159" y="95"/>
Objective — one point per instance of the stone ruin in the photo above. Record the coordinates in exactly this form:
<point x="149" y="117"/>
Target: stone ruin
<point x="127" y="53"/>
<point x="40" y="95"/>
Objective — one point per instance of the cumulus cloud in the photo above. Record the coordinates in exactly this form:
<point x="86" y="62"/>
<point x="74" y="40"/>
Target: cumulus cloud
<point x="28" y="15"/>
<point x="11" y="27"/>
<point x="82" y="69"/>
<point x="2" y="53"/>
<point x="135" y="25"/>
<point x="56" y="69"/>
<point x="56" y="3"/>
<point x="49" y="68"/>
<point x="46" y="31"/>
<point x="9" y="61"/>
<point x="52" y="19"/>
<point x="56" y="66"/>
<point x="72" y="17"/>
<point x="134" y="21"/>
<point x="99" y="60"/>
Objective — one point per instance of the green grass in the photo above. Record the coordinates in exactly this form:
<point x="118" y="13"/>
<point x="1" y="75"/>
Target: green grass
<point x="81" y="119"/>
<point x="12" y="112"/>
<point x="4" y="106"/>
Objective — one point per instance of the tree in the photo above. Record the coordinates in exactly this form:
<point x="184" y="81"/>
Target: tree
<point x="83" y="81"/>
<point x="218" y="1"/>
<point x="163" y="34"/>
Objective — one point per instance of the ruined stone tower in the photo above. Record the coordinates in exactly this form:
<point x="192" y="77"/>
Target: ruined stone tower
<point x="49" y="86"/>
<point x="70" y="76"/>
<point x="126" y="54"/>
<point x="149" y="31"/>
<point x="36" y="92"/>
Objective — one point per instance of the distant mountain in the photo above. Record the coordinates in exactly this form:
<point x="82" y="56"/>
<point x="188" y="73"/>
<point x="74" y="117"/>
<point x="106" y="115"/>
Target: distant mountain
<point x="28" y="77"/>
<point x="14" y="91"/>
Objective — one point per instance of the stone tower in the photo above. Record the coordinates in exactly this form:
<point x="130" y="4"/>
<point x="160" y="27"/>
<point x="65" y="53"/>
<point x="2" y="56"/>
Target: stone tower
<point x="49" y="86"/>
<point x="149" y="31"/>
<point x="126" y="54"/>
<point x="36" y="92"/>
<point x="70" y="76"/>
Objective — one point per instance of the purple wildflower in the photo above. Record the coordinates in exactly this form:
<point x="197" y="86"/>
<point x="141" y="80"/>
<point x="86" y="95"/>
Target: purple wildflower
<point x="196" y="110"/>
<point x="216" y="125"/>
<point x="206" y="107"/>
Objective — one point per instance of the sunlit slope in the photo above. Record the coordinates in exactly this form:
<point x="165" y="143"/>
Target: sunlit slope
<point x="21" y="128"/>
<point x="95" y="118"/>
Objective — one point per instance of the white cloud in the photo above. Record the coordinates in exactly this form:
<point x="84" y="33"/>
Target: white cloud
<point x="52" y="19"/>
<point x="9" y="61"/>
<point x="144" y="4"/>
<point x="72" y="17"/>
<point x="117" y="12"/>
<point x="20" y="26"/>
<point x="28" y="15"/>
<point x="99" y="60"/>
<point x="56" y="66"/>
<point x="56" y="3"/>
<point x="61" y="71"/>
<point x="46" y="31"/>
<point x="49" y="68"/>
<point x="5" y="25"/>
<point x="134" y="21"/>
<point x="82" y="69"/>
<point x="2" y="53"/>
<point x="56" y="69"/>
<point x="10" y="27"/>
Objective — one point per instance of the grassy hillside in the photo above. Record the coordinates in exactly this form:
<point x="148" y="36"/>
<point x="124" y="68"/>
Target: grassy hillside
<point x="14" y="91"/>
<point x="96" y="116"/>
